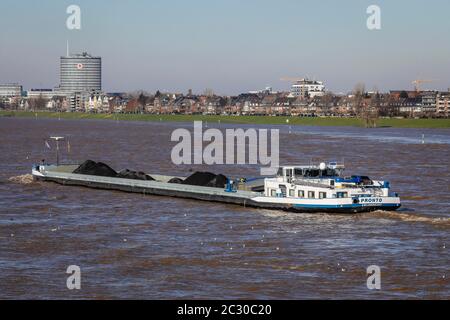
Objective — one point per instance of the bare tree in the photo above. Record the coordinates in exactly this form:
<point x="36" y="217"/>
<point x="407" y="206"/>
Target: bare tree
<point x="142" y="99"/>
<point x="37" y="103"/>
<point x="208" y="92"/>
<point x="327" y="102"/>
<point x="373" y="111"/>
<point x="358" y="98"/>
<point x="14" y="104"/>
<point x="364" y="109"/>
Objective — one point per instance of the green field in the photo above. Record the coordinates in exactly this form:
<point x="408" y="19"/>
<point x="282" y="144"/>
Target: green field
<point x="313" y="121"/>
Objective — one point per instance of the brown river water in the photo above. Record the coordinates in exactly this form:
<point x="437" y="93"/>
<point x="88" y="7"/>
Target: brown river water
<point x="136" y="246"/>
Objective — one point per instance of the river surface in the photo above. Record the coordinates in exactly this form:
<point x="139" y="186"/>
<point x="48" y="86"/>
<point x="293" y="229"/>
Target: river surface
<point x="136" y="246"/>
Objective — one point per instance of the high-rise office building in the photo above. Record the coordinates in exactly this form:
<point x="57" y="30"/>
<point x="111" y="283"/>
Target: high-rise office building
<point x="80" y="73"/>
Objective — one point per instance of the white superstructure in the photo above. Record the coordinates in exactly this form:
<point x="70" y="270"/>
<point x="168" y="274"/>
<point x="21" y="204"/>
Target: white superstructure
<point x="324" y="187"/>
<point x="311" y="188"/>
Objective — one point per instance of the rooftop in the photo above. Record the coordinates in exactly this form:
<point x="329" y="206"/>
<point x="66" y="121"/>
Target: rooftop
<point x="79" y="55"/>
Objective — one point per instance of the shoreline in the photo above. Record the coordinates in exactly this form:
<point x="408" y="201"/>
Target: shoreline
<point x="260" y="120"/>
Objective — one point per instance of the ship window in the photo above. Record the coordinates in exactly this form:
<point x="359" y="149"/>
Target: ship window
<point x="291" y="193"/>
<point x="301" y="193"/>
<point x="273" y="192"/>
<point x="322" y="195"/>
<point x="311" y="173"/>
<point x="329" y="173"/>
<point x="283" y="189"/>
<point x="311" y="194"/>
<point x="280" y="172"/>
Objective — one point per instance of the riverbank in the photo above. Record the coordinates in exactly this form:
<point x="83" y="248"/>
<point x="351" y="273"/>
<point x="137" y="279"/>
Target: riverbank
<point x="309" y="121"/>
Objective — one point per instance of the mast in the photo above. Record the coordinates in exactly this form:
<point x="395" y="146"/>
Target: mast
<point x="57" y="139"/>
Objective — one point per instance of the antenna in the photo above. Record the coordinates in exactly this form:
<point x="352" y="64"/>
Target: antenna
<point x="57" y="139"/>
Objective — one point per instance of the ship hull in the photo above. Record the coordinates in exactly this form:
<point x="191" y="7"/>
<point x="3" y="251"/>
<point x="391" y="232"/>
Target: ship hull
<point x="242" y="198"/>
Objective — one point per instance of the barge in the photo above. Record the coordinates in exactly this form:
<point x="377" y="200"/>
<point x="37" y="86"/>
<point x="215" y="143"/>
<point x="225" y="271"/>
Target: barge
<point x="306" y="188"/>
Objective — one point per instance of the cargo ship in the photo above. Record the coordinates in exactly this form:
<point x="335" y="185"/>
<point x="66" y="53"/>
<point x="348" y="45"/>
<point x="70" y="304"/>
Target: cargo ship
<point x="299" y="188"/>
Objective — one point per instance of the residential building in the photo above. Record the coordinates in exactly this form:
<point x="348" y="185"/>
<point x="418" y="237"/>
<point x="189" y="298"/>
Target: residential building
<point x="410" y="106"/>
<point x="443" y="104"/>
<point x="429" y="102"/>
<point x="307" y="88"/>
<point x="397" y="94"/>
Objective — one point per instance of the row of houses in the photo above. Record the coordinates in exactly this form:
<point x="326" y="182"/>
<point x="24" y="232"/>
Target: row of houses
<point x="394" y="103"/>
<point x="243" y="104"/>
<point x="421" y="103"/>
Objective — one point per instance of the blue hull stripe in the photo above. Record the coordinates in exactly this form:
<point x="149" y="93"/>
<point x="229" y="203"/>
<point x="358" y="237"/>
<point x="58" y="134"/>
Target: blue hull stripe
<point x="337" y="206"/>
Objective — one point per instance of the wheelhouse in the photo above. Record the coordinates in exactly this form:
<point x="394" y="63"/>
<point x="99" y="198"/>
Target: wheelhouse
<point x="290" y="173"/>
<point x="323" y="181"/>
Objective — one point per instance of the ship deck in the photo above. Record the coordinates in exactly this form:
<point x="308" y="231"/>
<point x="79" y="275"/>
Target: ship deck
<point x="63" y="174"/>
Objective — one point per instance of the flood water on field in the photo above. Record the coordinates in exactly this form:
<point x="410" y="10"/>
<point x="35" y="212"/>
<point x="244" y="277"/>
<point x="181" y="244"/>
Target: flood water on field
<point x="136" y="246"/>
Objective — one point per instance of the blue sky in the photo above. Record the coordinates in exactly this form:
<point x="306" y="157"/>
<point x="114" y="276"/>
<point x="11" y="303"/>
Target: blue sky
<point x="230" y="46"/>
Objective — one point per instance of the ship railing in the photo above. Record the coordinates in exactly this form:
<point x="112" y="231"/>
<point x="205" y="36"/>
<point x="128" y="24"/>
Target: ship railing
<point x="315" y="164"/>
<point x="311" y="184"/>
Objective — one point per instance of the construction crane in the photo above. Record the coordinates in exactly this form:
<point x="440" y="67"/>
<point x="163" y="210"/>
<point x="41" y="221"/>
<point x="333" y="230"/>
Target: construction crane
<point x="418" y="82"/>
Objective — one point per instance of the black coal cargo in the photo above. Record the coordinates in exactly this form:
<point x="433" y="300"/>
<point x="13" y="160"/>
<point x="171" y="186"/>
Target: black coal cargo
<point x="95" y="169"/>
<point x="100" y="169"/>
<point x="206" y="179"/>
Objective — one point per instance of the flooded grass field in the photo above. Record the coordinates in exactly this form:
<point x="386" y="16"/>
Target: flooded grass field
<point x="136" y="246"/>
